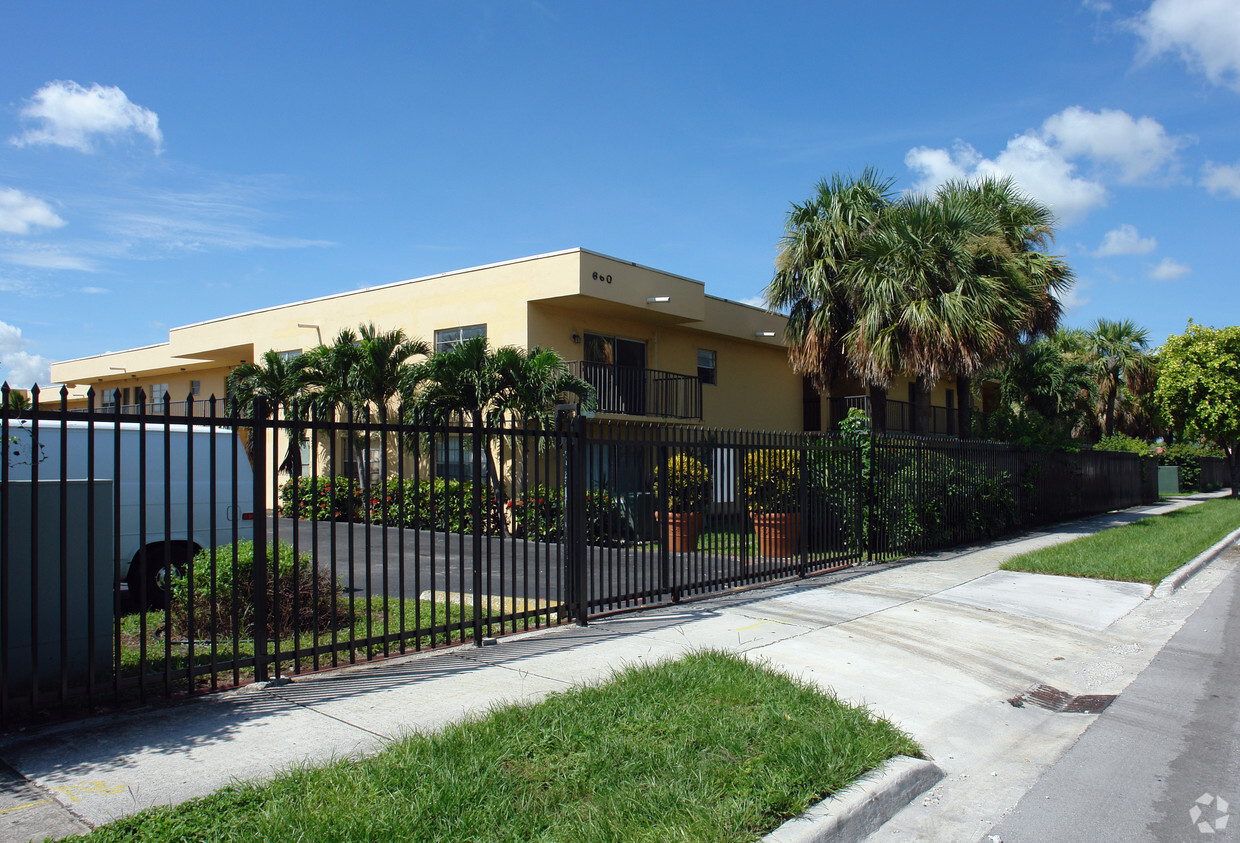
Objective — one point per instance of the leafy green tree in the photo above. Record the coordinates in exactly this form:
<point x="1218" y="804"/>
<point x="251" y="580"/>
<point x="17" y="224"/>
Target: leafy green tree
<point x="1199" y="388"/>
<point x="383" y="366"/>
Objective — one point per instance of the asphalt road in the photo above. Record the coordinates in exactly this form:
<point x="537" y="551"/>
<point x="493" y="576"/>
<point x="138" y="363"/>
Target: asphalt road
<point x="1169" y="744"/>
<point x="408" y="562"/>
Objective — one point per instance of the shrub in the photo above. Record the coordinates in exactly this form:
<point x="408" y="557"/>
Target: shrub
<point x="319" y="608"/>
<point x="772" y="480"/>
<point x="322" y="498"/>
<point x="539" y="515"/>
<point x="1120" y="442"/>
<point x="437" y="504"/>
<point x="687" y="481"/>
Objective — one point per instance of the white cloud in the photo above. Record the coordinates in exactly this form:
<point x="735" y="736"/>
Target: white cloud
<point x="1044" y="162"/>
<point x="1097" y="5"/>
<point x="1072" y="300"/>
<point x="1169" y="270"/>
<point x="1125" y="240"/>
<point x="70" y="115"/>
<point x="1038" y="169"/>
<point x="1221" y="179"/>
<point x="1138" y="148"/>
<point x="94" y="291"/>
<point x="1205" y="34"/>
<point x="18" y="212"/>
<point x="48" y="259"/>
<point x="754" y="301"/>
<point x="18" y="366"/>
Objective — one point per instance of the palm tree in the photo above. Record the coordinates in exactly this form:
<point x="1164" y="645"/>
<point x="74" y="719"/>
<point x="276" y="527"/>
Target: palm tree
<point x="821" y="238"/>
<point x="951" y="285"/>
<point x="471" y="380"/>
<point x="382" y="366"/>
<point x="278" y="379"/>
<point x="1119" y="357"/>
<point x="328" y="374"/>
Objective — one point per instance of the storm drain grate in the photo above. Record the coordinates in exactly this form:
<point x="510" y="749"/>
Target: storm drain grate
<point x="1053" y="699"/>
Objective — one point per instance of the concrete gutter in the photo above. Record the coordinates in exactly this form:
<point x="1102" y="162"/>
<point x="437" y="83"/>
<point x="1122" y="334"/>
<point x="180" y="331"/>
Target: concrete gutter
<point x="1181" y="574"/>
<point x="862" y="807"/>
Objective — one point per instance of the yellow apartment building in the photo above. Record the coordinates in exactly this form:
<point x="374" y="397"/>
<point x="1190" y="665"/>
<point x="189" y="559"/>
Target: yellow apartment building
<point x="655" y="344"/>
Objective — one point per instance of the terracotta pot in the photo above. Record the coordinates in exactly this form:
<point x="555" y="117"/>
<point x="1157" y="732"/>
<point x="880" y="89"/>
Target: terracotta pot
<point x="683" y="529"/>
<point x="779" y="533"/>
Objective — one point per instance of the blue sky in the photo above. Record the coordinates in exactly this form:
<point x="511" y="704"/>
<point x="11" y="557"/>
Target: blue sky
<point x="166" y="163"/>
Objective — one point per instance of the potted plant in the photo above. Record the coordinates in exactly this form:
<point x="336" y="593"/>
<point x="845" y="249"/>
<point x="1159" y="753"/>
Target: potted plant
<point x="772" y="478"/>
<point x="686" y="480"/>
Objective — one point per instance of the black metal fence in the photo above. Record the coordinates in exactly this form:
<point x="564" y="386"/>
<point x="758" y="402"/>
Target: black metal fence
<point x="154" y="555"/>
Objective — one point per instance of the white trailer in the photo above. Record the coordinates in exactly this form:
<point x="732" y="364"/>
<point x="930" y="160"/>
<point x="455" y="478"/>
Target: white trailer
<point x="144" y="471"/>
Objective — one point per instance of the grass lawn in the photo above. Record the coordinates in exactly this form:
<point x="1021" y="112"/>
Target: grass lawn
<point x="709" y="747"/>
<point x="1145" y="551"/>
<point x="418" y="615"/>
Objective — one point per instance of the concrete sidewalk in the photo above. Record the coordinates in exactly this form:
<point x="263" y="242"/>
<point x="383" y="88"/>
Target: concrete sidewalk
<point x="936" y="644"/>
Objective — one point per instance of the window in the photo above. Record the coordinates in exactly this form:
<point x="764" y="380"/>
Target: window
<point x="450" y="338"/>
<point x="195" y="387"/>
<point x="291" y="354"/>
<point x="454" y="461"/>
<point x="110" y="394"/>
<point x="706" y="366"/>
<point x="158" y="391"/>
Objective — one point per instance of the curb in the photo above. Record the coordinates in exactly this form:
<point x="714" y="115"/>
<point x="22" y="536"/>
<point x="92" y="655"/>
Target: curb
<point x="1181" y="574"/>
<point x="863" y="806"/>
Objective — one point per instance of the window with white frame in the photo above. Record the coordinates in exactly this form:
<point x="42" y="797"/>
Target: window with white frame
<point x="158" y="391"/>
<point x="291" y="354"/>
<point x="450" y="338"/>
<point x="195" y="388"/>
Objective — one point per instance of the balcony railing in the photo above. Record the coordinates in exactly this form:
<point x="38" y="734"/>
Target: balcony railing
<point x="202" y="408"/>
<point x="900" y="416"/>
<point x="632" y="391"/>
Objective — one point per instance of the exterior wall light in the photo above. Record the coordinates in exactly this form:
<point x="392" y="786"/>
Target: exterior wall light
<point x="576" y="337"/>
<point x="658" y="299"/>
<point x="764" y="333"/>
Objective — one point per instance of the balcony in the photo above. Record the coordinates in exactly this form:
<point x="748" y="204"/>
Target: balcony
<point x="900" y="416"/>
<point x="633" y="391"/>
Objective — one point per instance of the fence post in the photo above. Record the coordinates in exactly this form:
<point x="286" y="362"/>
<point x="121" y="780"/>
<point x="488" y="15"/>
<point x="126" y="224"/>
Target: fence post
<point x="803" y="505"/>
<point x="479" y="528"/>
<point x="575" y="521"/>
<point x="870" y="504"/>
<point x="665" y="557"/>
<point x="258" y="451"/>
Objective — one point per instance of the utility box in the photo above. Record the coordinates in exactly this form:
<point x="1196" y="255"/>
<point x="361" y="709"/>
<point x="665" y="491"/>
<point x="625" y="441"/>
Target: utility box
<point x="66" y="639"/>
<point x="1168" y="480"/>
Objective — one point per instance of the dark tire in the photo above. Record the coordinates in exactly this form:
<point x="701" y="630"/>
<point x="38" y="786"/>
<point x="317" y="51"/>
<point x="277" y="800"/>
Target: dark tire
<point x="153" y="570"/>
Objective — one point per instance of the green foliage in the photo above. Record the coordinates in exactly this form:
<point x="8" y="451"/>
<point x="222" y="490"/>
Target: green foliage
<point x="1199" y="387"/>
<point x="321" y="498"/>
<point x="437" y="504"/>
<point x="297" y="580"/>
<point x="772" y="480"/>
<point x="940" y="500"/>
<point x="539" y="515"/>
<point x="1121" y="442"/>
<point x="687" y="481"/>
